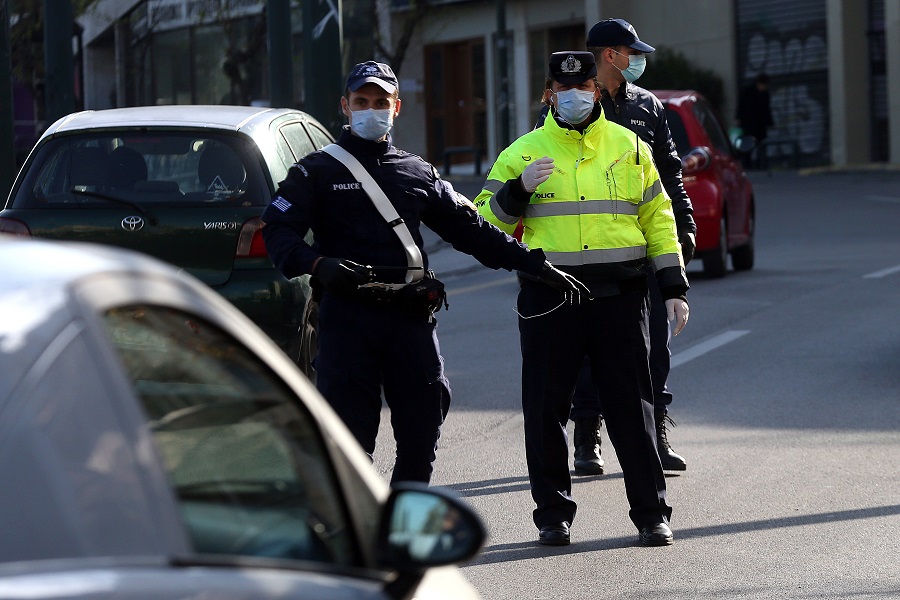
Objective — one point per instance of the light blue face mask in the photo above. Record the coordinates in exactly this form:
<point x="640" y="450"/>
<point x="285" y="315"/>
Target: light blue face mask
<point x="636" y="66"/>
<point x="371" y="124"/>
<point x="574" y="106"/>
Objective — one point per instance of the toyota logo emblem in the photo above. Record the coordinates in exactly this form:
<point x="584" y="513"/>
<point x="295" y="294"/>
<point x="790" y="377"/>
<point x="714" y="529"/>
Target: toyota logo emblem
<point x="132" y="223"/>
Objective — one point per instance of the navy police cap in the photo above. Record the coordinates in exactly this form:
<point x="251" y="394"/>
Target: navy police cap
<point x="616" y="32"/>
<point x="572" y="67"/>
<point x="372" y="72"/>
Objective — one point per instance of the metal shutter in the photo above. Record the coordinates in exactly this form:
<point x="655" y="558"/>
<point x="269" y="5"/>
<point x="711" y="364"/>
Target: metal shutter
<point x="788" y="41"/>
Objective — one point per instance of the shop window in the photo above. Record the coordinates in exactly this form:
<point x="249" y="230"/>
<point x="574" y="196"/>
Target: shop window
<point x="171" y="72"/>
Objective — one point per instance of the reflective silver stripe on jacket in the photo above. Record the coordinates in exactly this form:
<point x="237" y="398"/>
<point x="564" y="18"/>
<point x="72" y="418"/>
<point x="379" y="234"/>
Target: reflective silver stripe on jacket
<point x="666" y="260"/>
<point x="653" y="191"/>
<point x="493" y="185"/>
<point x="500" y="213"/>
<point x="595" y="257"/>
<point x="584" y="207"/>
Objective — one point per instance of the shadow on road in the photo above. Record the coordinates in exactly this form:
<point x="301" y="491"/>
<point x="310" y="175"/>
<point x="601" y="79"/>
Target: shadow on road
<point x="500" y="553"/>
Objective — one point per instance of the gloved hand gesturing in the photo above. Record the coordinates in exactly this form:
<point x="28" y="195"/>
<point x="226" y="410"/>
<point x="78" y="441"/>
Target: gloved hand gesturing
<point x="536" y="173"/>
<point x="338" y="275"/>
<point x="688" y="245"/>
<point x="571" y="288"/>
<point x="677" y="310"/>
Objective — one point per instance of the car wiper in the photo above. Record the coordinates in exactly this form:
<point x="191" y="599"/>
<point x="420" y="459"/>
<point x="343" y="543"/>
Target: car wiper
<point x="264" y="489"/>
<point x="144" y="211"/>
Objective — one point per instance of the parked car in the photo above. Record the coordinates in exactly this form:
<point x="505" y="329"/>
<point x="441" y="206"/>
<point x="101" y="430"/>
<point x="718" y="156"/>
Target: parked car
<point x="714" y="179"/>
<point x="185" y="184"/>
<point x="157" y="444"/>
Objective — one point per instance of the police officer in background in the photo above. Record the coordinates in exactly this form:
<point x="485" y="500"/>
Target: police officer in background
<point x="620" y="58"/>
<point x="375" y="337"/>
<point x="587" y="193"/>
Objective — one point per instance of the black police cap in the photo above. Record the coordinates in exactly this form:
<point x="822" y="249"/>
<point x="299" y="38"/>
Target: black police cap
<point x="372" y="72"/>
<point x="572" y="67"/>
<point x="616" y="32"/>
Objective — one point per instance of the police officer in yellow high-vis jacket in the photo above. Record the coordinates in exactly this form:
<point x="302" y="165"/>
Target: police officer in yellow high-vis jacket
<point x="589" y="195"/>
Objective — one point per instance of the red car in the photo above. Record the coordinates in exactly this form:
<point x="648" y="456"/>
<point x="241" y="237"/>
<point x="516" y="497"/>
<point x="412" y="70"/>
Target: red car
<point x="715" y="181"/>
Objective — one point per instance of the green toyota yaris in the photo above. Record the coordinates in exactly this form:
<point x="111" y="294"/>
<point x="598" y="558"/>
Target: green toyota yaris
<point x="185" y="184"/>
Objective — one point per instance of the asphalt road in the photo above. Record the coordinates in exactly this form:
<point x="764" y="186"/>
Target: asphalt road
<point x="787" y="404"/>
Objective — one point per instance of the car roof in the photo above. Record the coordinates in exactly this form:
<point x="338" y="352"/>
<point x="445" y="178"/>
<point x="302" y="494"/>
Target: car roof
<point x="39" y="289"/>
<point x="30" y="263"/>
<point x="677" y="96"/>
<point x="232" y="118"/>
<point x="36" y="294"/>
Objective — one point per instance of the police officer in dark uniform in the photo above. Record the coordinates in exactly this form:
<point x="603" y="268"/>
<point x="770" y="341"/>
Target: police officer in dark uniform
<point x="620" y="61"/>
<point x="377" y="338"/>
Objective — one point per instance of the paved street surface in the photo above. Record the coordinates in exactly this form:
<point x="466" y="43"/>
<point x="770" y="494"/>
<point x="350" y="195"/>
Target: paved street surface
<point x="787" y="404"/>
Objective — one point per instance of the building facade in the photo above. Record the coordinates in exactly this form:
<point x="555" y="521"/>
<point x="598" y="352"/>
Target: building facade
<point x="834" y="64"/>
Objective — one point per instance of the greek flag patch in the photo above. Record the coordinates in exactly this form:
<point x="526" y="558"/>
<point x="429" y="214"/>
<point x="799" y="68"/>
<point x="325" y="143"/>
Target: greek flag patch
<point x="281" y="204"/>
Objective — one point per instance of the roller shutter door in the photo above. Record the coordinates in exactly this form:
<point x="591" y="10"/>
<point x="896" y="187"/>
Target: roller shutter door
<point x="788" y="41"/>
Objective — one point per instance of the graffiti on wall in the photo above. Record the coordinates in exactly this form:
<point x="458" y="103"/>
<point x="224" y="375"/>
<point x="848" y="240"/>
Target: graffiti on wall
<point x="796" y="63"/>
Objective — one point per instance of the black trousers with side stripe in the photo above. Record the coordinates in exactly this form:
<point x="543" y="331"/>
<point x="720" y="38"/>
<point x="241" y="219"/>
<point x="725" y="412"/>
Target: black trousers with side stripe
<point x="613" y="333"/>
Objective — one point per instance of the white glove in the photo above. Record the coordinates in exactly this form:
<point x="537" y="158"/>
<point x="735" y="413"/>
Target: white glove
<point x="677" y="310"/>
<point x="537" y="173"/>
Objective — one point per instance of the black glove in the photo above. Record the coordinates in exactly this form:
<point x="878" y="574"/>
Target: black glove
<point x="341" y="276"/>
<point x="688" y="245"/>
<point x="571" y="288"/>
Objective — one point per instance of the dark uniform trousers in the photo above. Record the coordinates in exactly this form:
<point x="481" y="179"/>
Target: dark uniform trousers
<point x="612" y="332"/>
<point x="364" y="348"/>
<point x="588" y="399"/>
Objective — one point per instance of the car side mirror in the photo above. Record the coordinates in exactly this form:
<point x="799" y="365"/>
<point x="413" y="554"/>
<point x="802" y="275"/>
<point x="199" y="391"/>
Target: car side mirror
<point x="425" y="527"/>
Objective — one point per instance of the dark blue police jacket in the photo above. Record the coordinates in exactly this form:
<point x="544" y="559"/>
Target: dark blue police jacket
<point x="320" y="194"/>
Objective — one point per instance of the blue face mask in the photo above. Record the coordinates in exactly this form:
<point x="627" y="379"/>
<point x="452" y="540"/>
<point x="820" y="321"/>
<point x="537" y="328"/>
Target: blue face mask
<point x="574" y="106"/>
<point x="371" y="124"/>
<point x="636" y="66"/>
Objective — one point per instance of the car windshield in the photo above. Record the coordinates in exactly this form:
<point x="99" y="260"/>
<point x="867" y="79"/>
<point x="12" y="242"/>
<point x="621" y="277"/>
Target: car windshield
<point x="144" y="168"/>
<point x="247" y="462"/>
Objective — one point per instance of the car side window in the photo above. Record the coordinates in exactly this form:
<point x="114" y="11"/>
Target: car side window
<point x="297" y="139"/>
<point x="246" y="460"/>
<point x="320" y="137"/>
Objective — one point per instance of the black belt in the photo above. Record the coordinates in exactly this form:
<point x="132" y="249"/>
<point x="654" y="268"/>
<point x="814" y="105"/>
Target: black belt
<point x="379" y="293"/>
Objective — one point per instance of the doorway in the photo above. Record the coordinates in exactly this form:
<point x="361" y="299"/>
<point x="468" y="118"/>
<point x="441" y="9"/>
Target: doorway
<point x="455" y="107"/>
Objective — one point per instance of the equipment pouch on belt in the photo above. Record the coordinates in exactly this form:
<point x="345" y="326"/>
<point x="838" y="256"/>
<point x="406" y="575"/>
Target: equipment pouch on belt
<point x="424" y="297"/>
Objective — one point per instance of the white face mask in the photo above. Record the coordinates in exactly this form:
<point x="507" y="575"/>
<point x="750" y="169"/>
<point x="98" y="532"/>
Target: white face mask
<point x="371" y="124"/>
<point x="574" y="106"/>
<point x="635" y="68"/>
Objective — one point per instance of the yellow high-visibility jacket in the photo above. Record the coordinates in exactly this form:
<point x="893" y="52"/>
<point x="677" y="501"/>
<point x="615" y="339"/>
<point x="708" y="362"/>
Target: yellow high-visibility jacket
<point x="602" y="213"/>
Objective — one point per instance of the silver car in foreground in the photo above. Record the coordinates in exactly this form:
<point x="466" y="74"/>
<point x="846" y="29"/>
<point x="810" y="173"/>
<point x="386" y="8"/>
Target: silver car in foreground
<point x="154" y="443"/>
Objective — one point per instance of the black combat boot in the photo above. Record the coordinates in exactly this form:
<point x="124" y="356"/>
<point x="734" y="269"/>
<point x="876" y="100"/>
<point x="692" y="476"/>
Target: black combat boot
<point x="587" y="447"/>
<point x="670" y="460"/>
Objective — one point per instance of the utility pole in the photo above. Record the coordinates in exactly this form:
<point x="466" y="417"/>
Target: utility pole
<point x="323" y="71"/>
<point x="281" y="70"/>
<point x="7" y="129"/>
<point x="502" y="78"/>
<point x="59" y="64"/>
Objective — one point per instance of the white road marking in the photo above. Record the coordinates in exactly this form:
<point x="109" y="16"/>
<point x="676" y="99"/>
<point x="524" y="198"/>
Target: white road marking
<point x="882" y="273"/>
<point x="707" y="346"/>
<point x="677" y="359"/>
